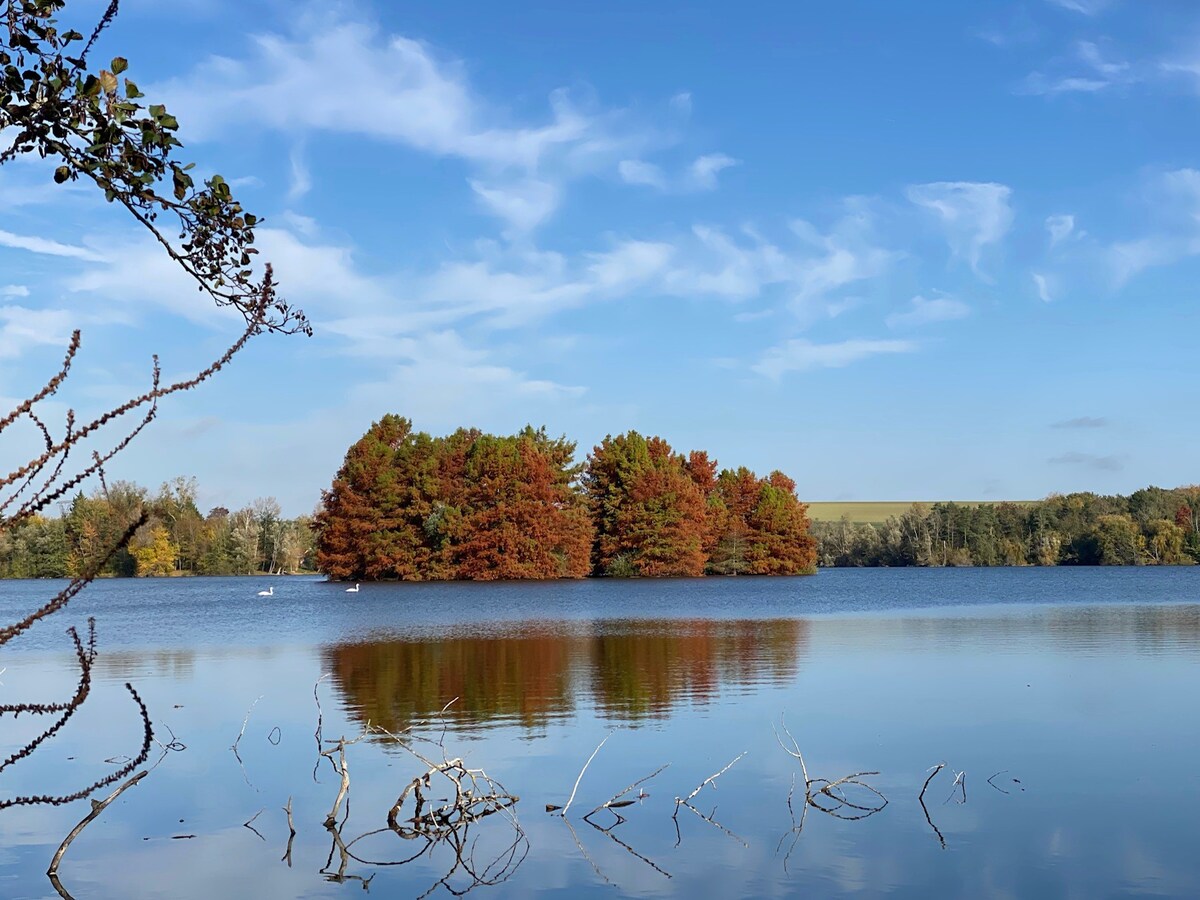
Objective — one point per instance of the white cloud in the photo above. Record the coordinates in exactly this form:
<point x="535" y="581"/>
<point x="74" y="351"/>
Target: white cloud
<point x="442" y="379"/>
<point x="636" y="171"/>
<point x="47" y="247"/>
<point x="702" y="174"/>
<point x="630" y="263"/>
<point x="21" y="328"/>
<point x="974" y="215"/>
<point x="1086" y="70"/>
<point x="523" y="203"/>
<point x="1175" y="199"/>
<point x="403" y="93"/>
<point x="800" y="355"/>
<point x="301" y="182"/>
<point x="1090" y="53"/>
<point x="681" y="103"/>
<point x="1127" y="259"/>
<point x="14" y="290"/>
<point x="1060" y="228"/>
<point x="1042" y="283"/>
<point x="1084" y="7"/>
<point x="923" y="311"/>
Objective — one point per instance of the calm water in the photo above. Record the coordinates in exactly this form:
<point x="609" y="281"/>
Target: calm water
<point x="1078" y="686"/>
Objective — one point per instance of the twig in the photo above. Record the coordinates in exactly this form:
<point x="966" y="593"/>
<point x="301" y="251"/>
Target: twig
<point x="287" y="854"/>
<point x="711" y="779"/>
<point x="339" y="746"/>
<point x="250" y="824"/>
<point x="571" y="799"/>
<point x="98" y="806"/>
<point x="317" y="734"/>
<point x="935" y="770"/>
<point x="996" y="786"/>
<point x="615" y="801"/>
<point x="960" y="781"/>
<point x="244" y="721"/>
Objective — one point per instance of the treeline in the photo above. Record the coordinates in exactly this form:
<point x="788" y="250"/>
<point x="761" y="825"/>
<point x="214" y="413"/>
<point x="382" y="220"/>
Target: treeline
<point x="176" y="539"/>
<point x="405" y="505"/>
<point x="1153" y="526"/>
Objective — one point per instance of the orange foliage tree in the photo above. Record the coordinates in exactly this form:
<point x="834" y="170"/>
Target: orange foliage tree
<point x="409" y="506"/>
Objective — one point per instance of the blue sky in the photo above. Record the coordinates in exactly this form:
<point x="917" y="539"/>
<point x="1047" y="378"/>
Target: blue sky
<point x="900" y="251"/>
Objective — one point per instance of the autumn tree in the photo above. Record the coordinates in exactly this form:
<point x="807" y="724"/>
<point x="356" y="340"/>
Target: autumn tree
<point x="648" y="509"/>
<point x="764" y="528"/>
<point x="522" y="519"/>
<point x="408" y="506"/>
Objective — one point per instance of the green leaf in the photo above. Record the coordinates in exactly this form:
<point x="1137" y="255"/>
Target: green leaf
<point x="131" y="90"/>
<point x="119" y="65"/>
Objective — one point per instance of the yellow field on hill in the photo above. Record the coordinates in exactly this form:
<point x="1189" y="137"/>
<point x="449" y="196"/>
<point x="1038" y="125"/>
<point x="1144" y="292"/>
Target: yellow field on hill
<point x="875" y="512"/>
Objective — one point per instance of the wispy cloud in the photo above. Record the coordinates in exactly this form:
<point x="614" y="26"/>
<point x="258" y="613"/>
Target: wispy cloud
<point x="21" y="328"/>
<point x="404" y="93"/>
<point x="800" y="355"/>
<point x="1087" y="69"/>
<point x="637" y="171"/>
<point x="1089" y="461"/>
<point x="974" y="215"/>
<point x="14" y="290"/>
<point x="47" y="247"/>
<point x="301" y="182"/>
<point x="1174" y="198"/>
<point x="524" y="203"/>
<point x="1042" y="284"/>
<point x="1082" y="422"/>
<point x="1084" y="7"/>
<point x="702" y="173"/>
<point x="923" y="311"/>
<point x="1060" y="228"/>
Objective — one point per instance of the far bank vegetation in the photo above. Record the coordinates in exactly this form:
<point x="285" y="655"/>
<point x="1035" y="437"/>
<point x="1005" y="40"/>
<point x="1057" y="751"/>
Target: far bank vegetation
<point x="1152" y="526"/>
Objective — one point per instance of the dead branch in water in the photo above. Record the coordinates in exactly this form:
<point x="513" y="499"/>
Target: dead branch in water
<point x="579" y="778"/>
<point x="98" y="806"/>
<point x="615" y="802"/>
<point x="829" y="796"/>
<point x="960" y="781"/>
<point x="925" y="809"/>
<point x="287" y="854"/>
<point x="442" y="823"/>
<point x="343" y="769"/>
<point x="711" y="817"/>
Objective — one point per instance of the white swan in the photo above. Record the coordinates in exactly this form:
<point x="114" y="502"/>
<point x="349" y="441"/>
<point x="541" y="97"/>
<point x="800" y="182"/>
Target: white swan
<point x="353" y="590"/>
<point x="270" y="593"/>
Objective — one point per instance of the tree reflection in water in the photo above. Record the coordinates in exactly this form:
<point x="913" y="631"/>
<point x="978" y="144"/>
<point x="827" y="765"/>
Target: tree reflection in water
<point x="629" y="670"/>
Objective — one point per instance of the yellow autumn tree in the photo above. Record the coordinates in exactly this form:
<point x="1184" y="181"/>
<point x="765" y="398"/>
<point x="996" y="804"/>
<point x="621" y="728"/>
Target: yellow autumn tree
<point x="156" y="557"/>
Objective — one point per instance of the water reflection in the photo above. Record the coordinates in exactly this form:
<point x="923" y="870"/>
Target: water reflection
<point x="627" y="669"/>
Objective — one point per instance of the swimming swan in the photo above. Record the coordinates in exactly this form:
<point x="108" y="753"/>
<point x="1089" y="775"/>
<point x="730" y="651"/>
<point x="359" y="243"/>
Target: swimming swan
<point x="353" y="590"/>
<point x="270" y="593"/>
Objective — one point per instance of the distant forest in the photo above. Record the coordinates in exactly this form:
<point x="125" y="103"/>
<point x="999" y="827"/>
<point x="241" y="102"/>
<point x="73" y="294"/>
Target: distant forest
<point x="176" y="539"/>
<point x="1153" y="526"/>
<point x="405" y="505"/>
<point x="408" y="506"/>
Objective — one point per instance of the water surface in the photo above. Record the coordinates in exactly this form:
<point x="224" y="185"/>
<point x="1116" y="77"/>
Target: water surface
<point x="1076" y="686"/>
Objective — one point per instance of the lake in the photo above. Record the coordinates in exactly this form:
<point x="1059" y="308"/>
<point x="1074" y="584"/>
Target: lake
<point x="1067" y="698"/>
